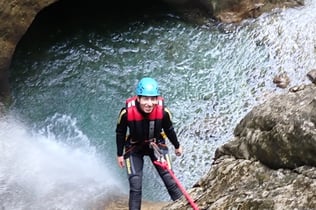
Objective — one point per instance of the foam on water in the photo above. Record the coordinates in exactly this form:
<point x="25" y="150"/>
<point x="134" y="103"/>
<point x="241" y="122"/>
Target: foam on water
<point x="40" y="172"/>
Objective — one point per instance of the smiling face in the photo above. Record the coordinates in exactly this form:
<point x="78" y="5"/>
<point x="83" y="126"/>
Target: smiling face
<point x="147" y="103"/>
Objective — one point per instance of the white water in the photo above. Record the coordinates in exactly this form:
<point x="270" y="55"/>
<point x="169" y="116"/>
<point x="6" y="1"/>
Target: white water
<point x="290" y="36"/>
<point x="37" y="172"/>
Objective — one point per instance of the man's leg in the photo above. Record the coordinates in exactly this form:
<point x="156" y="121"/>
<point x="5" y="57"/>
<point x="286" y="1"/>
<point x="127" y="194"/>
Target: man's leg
<point x="171" y="185"/>
<point x="134" y="166"/>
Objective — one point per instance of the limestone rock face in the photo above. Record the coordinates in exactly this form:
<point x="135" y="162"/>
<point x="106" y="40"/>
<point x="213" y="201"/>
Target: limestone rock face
<point x="232" y="11"/>
<point x="244" y="184"/>
<point x="280" y="133"/>
<point x="16" y="16"/>
<point x="270" y="163"/>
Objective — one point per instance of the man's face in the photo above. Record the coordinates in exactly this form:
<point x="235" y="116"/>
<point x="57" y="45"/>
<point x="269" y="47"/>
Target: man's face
<point x="147" y="103"/>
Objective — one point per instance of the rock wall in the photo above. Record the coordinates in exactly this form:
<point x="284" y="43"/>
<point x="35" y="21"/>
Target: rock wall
<point x="270" y="163"/>
<point x="238" y="10"/>
<point x="16" y="16"/>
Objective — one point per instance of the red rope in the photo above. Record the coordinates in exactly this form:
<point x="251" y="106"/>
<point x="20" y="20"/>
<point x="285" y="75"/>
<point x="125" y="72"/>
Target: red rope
<point x="165" y="166"/>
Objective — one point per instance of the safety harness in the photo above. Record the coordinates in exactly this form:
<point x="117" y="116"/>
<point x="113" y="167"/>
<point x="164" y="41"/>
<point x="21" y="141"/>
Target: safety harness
<point x="135" y="121"/>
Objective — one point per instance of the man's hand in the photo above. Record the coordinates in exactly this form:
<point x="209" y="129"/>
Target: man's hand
<point x="178" y="151"/>
<point x="120" y="161"/>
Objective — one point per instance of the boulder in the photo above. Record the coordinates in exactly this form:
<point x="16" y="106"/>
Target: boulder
<point x="234" y="11"/>
<point x="312" y="75"/>
<point x="269" y="164"/>
<point x="280" y="133"/>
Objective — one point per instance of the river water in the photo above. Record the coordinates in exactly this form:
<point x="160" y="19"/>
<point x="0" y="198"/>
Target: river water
<point x="71" y="76"/>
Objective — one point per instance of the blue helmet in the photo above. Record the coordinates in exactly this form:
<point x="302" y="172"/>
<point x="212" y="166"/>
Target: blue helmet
<point x="147" y="87"/>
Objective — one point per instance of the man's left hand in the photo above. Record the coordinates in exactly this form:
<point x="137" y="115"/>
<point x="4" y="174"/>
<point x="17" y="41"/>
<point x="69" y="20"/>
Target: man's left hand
<point x="178" y="151"/>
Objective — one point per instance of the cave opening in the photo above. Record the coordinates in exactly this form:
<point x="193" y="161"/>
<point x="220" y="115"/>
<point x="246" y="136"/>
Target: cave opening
<point x="69" y="16"/>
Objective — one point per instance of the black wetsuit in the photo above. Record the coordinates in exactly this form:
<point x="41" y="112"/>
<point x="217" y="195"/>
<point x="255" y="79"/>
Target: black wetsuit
<point x="134" y="153"/>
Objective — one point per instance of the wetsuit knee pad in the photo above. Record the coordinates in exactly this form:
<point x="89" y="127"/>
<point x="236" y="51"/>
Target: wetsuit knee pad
<point x="173" y="190"/>
<point x="135" y="183"/>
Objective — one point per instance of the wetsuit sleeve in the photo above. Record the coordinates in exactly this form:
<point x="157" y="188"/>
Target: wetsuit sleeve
<point x="169" y="130"/>
<point x="121" y="129"/>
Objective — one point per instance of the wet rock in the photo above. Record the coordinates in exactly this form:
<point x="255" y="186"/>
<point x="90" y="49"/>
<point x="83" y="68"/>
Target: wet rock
<point x="234" y="11"/>
<point x="312" y="75"/>
<point x="281" y="133"/>
<point x="269" y="164"/>
<point x="281" y="80"/>
<point x="297" y="88"/>
<point x="16" y="17"/>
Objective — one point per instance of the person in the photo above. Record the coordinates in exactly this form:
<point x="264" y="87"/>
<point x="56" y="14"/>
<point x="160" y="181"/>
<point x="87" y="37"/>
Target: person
<point x="147" y="120"/>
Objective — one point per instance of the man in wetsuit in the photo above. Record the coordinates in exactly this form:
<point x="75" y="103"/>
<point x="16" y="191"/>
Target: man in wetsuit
<point x="148" y="121"/>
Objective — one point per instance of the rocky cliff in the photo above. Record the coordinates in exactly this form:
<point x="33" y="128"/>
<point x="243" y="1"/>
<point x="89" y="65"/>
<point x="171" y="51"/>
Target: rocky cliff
<point x="270" y="163"/>
<point x="16" y="16"/>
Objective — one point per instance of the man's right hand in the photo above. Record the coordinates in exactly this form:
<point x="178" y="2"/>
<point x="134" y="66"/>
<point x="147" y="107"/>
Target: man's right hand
<point x="120" y="161"/>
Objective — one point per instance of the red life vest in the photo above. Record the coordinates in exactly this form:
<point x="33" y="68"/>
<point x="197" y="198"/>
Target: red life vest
<point x="144" y="127"/>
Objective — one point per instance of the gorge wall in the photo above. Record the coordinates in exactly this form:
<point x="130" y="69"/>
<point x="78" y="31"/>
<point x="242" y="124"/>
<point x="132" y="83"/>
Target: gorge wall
<point x="270" y="163"/>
